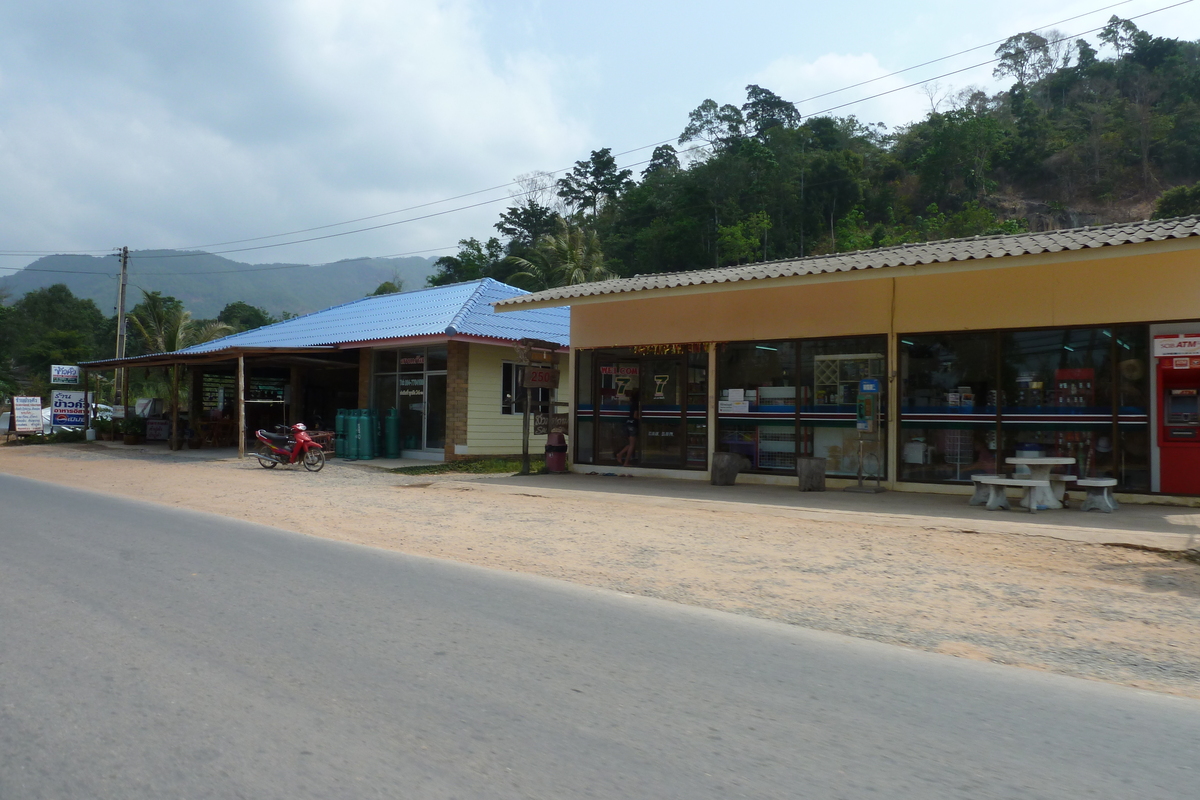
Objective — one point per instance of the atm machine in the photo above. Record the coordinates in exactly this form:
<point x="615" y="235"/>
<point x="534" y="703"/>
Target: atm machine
<point x="1178" y="422"/>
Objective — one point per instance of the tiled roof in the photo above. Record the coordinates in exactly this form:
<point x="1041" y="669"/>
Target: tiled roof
<point x="975" y="248"/>
<point x="458" y="309"/>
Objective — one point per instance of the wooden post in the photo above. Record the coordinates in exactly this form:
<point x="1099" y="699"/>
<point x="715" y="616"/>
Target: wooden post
<point x="174" y="443"/>
<point x="241" y="406"/>
<point x="525" y="428"/>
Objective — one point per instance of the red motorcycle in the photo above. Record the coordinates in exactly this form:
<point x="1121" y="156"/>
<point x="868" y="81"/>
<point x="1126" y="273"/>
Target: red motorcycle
<point x="292" y="445"/>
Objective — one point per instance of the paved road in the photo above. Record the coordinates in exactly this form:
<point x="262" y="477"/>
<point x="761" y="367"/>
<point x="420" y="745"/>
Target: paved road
<point x="147" y="652"/>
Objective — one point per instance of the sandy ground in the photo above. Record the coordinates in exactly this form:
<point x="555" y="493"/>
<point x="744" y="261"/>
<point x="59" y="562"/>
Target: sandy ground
<point x="1104" y="613"/>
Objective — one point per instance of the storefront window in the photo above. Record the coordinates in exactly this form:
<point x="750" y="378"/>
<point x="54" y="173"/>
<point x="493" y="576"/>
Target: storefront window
<point x="948" y="396"/>
<point x="972" y="400"/>
<point x="697" y="410"/>
<point x="585" y="429"/>
<point x="831" y="371"/>
<point x="757" y="403"/>
<point x="406" y="380"/>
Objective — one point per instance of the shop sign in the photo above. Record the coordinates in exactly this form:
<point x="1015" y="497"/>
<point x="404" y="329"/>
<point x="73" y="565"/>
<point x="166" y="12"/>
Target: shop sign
<point x="660" y="386"/>
<point x="550" y="423"/>
<point x="540" y="378"/>
<point x="1177" y="344"/>
<point x="733" y="406"/>
<point x="618" y="369"/>
<point x="118" y="412"/>
<point x="669" y="349"/>
<point x="158" y="429"/>
<point x="63" y="373"/>
<point x="409" y="360"/>
<point x="68" y="408"/>
<point x="1185" y="363"/>
<point x="27" y="414"/>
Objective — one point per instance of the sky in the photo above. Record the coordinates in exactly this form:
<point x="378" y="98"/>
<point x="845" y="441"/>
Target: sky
<point x="186" y="125"/>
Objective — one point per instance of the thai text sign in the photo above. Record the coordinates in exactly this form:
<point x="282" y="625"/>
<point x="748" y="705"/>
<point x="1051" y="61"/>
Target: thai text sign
<point x="63" y="373"/>
<point x="67" y="408"/>
<point x="27" y="414"/>
<point x="540" y="378"/>
<point x="549" y="423"/>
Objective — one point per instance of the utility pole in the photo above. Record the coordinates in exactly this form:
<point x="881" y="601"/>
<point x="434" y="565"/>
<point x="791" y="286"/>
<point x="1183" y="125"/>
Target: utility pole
<point x="118" y="379"/>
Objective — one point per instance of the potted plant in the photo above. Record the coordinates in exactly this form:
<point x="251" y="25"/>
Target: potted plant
<point x="104" y="429"/>
<point x="134" y="430"/>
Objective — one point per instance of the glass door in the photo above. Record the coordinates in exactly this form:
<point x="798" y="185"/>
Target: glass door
<point x="435" y="411"/>
<point x="662" y="406"/>
<point x="619" y="381"/>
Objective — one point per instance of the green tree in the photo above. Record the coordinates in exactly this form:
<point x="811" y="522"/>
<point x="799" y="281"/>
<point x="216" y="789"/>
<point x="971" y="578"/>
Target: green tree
<point x="241" y="316"/>
<point x="570" y="255"/>
<point x="721" y="127"/>
<point x="764" y="110"/>
<point x="1025" y="58"/>
<point x="475" y="260"/>
<point x="525" y="223"/>
<point x="1181" y="201"/>
<point x="592" y="183"/>
<point x="163" y="325"/>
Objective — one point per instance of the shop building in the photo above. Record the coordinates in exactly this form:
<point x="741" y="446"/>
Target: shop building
<point x="441" y="356"/>
<point x="1068" y="343"/>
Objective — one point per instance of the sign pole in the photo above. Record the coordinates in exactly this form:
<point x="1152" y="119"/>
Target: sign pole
<point x="241" y="406"/>
<point x="525" y="430"/>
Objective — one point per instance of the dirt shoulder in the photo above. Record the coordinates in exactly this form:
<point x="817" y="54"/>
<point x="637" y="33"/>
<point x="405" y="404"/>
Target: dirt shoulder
<point x="1104" y="613"/>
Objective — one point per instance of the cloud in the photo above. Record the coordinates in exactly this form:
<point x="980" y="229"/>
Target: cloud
<point x="178" y="124"/>
<point x="796" y="79"/>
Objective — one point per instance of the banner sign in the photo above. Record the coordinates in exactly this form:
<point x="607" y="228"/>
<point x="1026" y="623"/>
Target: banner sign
<point x="62" y="373"/>
<point x="1177" y="344"/>
<point x="540" y="378"/>
<point x="158" y="430"/>
<point x="68" y="408"/>
<point x="27" y="412"/>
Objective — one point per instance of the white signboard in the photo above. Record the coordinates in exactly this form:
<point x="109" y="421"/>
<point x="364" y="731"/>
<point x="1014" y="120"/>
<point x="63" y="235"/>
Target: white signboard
<point x="733" y="406"/>
<point x="27" y="412"/>
<point x="68" y="408"/>
<point x="62" y="373"/>
<point x="1177" y="344"/>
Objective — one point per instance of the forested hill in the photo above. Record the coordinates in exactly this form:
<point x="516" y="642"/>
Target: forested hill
<point x="206" y="283"/>
<point x="1089" y="132"/>
<point x="1077" y="139"/>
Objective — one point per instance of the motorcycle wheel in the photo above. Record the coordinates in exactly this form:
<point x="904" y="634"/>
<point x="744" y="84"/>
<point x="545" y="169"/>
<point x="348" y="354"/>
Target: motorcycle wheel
<point x="265" y="461"/>
<point x="314" y="459"/>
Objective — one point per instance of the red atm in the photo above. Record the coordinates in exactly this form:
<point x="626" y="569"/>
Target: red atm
<point x="1179" y="415"/>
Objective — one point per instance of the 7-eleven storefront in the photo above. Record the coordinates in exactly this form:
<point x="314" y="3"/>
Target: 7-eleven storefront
<point x="978" y="359"/>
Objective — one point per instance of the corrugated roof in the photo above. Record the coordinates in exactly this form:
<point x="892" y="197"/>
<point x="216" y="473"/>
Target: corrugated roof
<point x="978" y="247"/>
<point x="458" y="309"/>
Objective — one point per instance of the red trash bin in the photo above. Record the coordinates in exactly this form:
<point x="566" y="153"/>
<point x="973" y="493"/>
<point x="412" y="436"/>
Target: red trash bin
<point x="556" y="452"/>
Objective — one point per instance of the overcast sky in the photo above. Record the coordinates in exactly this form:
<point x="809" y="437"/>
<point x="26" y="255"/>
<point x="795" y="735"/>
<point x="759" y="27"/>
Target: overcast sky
<point x="153" y="124"/>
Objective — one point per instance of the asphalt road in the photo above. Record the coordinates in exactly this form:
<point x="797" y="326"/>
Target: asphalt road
<point x="147" y="652"/>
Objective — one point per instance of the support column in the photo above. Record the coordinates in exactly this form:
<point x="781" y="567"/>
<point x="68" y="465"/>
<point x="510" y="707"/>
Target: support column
<point x="241" y="406"/>
<point x="713" y="394"/>
<point x="174" y="442"/>
<point x="365" y="362"/>
<point x="458" y="359"/>
<point x="892" y="440"/>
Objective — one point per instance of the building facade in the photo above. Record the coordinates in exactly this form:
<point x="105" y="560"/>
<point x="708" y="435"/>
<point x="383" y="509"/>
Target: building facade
<point x="981" y="349"/>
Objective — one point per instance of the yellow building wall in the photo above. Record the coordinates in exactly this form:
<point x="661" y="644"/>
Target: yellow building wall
<point x="1017" y="292"/>
<point x="488" y="431"/>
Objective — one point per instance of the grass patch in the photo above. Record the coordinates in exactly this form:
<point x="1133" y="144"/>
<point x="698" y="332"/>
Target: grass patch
<point x="475" y="465"/>
<point x="62" y="437"/>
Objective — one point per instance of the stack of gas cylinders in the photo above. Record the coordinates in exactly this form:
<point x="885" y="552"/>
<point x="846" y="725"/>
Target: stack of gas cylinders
<point x="359" y="435"/>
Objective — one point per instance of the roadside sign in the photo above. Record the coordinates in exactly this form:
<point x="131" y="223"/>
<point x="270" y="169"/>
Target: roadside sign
<point x="63" y="373"/>
<point x="550" y="423"/>
<point x="68" y="408"/>
<point x="27" y="413"/>
<point x="540" y="378"/>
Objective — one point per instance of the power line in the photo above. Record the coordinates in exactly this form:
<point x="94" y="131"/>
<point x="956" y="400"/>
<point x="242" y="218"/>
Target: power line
<point x="625" y="152"/>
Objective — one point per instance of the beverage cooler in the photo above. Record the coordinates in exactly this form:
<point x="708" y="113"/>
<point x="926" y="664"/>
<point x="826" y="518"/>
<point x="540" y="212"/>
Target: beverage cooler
<point x="1178" y="378"/>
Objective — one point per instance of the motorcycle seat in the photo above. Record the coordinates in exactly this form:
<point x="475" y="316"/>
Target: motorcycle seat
<point x="275" y="438"/>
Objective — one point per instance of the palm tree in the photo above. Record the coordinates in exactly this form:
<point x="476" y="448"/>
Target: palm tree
<point x="165" y="326"/>
<point x="566" y="257"/>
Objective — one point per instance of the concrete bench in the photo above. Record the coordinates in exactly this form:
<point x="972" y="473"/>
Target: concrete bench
<point x="1099" y="494"/>
<point x="981" y="489"/>
<point x="997" y="498"/>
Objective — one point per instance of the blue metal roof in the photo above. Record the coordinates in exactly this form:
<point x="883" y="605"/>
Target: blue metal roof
<point x="463" y="309"/>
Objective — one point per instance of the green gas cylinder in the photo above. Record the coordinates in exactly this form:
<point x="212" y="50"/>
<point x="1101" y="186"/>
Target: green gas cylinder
<point x="351" y="434"/>
<point x="366" y="434"/>
<point x="339" y="433"/>
<point x="392" y="433"/>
